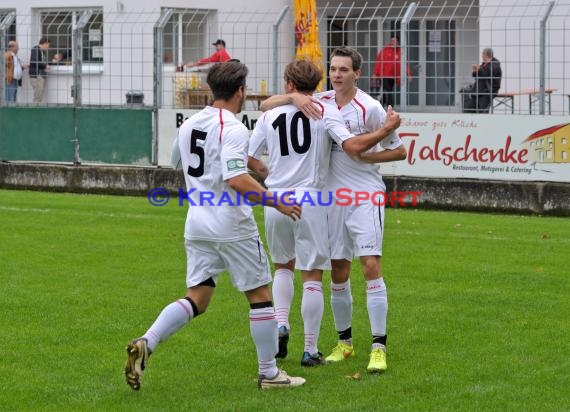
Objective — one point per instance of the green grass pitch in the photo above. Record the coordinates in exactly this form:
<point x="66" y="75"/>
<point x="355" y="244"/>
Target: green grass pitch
<point x="479" y="315"/>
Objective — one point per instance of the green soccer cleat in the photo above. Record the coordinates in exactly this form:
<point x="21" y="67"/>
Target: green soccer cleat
<point x="340" y="352"/>
<point x="377" y="362"/>
<point x="281" y="380"/>
<point x="137" y="357"/>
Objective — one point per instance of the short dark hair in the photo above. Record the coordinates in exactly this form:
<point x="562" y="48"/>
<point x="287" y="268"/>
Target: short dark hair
<point x="349" y="52"/>
<point x="226" y="78"/>
<point x="304" y="74"/>
<point x="44" y="40"/>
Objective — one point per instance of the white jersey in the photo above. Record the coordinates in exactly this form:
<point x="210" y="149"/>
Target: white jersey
<point x="212" y="146"/>
<point x="363" y="114"/>
<point x="299" y="148"/>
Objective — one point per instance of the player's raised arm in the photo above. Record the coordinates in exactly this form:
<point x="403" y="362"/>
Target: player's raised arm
<point x="355" y="145"/>
<point x="301" y="101"/>
<point x="275" y="101"/>
<point x="394" y="150"/>
<point x="359" y="144"/>
<point x="393" y="119"/>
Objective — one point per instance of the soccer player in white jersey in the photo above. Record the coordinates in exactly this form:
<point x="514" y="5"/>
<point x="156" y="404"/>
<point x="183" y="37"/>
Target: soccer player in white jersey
<point x="221" y="234"/>
<point x="299" y="154"/>
<point x="356" y="230"/>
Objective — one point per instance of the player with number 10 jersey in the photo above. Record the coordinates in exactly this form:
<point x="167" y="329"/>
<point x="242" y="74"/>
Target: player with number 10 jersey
<point x="299" y="155"/>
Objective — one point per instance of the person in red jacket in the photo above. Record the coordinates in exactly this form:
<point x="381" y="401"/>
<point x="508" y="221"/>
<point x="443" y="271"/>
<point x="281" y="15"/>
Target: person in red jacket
<point x="220" y="56"/>
<point x="387" y="70"/>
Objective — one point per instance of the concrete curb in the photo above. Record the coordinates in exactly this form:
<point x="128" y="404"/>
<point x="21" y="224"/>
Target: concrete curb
<point x="544" y="198"/>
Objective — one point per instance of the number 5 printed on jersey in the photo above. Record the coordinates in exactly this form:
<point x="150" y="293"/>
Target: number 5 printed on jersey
<point x="197" y="150"/>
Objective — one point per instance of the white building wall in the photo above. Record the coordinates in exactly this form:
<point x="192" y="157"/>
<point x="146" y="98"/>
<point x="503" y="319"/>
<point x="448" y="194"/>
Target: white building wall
<point x="510" y="27"/>
<point x="128" y="45"/>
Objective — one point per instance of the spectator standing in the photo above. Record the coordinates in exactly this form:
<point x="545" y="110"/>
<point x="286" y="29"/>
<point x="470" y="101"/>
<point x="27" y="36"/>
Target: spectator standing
<point x="387" y="72"/>
<point x="14" y="71"/>
<point x="221" y="55"/>
<point x="38" y="69"/>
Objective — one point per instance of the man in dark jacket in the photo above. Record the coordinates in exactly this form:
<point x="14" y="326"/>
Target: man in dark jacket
<point x="487" y="83"/>
<point x="37" y="70"/>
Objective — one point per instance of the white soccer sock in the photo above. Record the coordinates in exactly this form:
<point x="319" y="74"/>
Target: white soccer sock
<point x="283" y="295"/>
<point x="312" y="308"/>
<point x="263" y="328"/>
<point x="341" y="302"/>
<point x="377" y="303"/>
<point x="170" y="320"/>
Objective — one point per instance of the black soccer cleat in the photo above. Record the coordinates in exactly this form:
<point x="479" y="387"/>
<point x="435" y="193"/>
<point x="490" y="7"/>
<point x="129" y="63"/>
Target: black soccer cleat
<point x="312" y="360"/>
<point x="283" y="341"/>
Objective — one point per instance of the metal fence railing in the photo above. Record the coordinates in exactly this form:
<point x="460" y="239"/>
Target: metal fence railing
<point x="112" y="58"/>
<point x="115" y="58"/>
<point x="441" y="41"/>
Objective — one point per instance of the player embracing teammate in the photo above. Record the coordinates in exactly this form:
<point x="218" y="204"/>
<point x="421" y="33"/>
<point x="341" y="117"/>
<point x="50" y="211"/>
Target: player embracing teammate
<point x="212" y="146"/>
<point x="353" y="230"/>
<point x="299" y="155"/>
<point x="320" y="147"/>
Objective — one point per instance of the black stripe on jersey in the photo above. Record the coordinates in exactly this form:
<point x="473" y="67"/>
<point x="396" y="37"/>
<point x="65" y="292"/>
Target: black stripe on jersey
<point x="380" y="218"/>
<point x="259" y="249"/>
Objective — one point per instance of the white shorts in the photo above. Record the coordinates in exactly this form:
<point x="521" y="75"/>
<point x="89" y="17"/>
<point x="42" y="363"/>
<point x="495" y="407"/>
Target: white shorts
<point x="355" y="230"/>
<point x="305" y="240"/>
<point x="245" y="260"/>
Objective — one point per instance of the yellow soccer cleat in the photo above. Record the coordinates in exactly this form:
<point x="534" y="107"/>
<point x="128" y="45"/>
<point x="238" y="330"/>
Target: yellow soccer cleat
<point x="340" y="352"/>
<point x="377" y="362"/>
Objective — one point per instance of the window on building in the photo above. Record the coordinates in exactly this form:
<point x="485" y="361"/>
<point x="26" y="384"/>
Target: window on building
<point x="549" y="154"/>
<point x="563" y="140"/>
<point x="11" y="30"/>
<point x="564" y="155"/>
<point x="186" y="34"/>
<point x="57" y="26"/>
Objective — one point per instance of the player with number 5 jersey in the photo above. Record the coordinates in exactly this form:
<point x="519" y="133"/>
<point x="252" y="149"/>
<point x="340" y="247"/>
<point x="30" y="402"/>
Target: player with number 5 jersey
<point x="222" y="236"/>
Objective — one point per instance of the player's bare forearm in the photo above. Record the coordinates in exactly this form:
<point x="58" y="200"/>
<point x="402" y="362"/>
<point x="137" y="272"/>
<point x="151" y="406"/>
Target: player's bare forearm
<point x="275" y="101"/>
<point x="258" y="167"/>
<point x="304" y="102"/>
<point x="384" y="156"/>
<point x="308" y="105"/>
<point x="244" y="183"/>
<point x="361" y="143"/>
